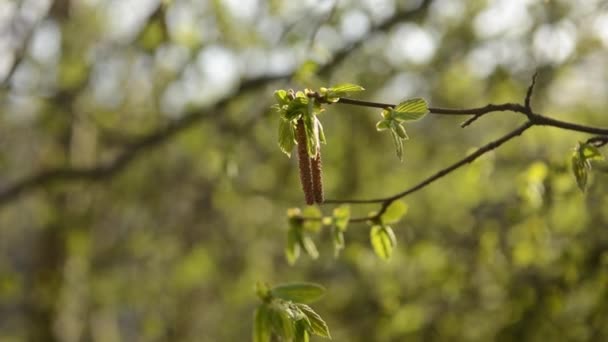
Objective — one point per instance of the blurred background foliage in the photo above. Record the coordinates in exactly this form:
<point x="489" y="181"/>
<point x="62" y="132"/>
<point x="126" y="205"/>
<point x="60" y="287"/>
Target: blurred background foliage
<point x="163" y="193"/>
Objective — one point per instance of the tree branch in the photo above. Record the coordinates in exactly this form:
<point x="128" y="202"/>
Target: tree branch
<point x="526" y="109"/>
<point x="104" y="171"/>
<point x="386" y="201"/>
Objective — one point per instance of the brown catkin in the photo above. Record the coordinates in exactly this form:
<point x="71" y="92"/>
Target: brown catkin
<point x="304" y="163"/>
<point x="317" y="177"/>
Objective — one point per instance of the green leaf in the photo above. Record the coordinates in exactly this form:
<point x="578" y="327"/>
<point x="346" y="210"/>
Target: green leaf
<point x="338" y="241"/>
<point x="262" y="290"/>
<point x="302" y="334"/>
<point x="312" y="225"/>
<point x="287" y="138"/>
<point x="383" y="241"/>
<point x="261" y="324"/>
<point x="312" y="134"/>
<point x="321" y="132"/>
<point x="580" y="170"/>
<point x="394" y="212"/>
<point x="413" y="109"/>
<point x="292" y="250"/>
<point x="341" y="217"/>
<point x="281" y="97"/>
<point x="281" y="322"/>
<point x="383" y="125"/>
<point x="308" y="245"/>
<point x="590" y="152"/>
<point x="398" y="142"/>
<point x="317" y="324"/>
<point x="298" y="292"/>
<point x="400" y="130"/>
<point x="346" y="88"/>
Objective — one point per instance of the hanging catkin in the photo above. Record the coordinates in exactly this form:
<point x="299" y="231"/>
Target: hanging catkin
<point x="304" y="162"/>
<point x="317" y="178"/>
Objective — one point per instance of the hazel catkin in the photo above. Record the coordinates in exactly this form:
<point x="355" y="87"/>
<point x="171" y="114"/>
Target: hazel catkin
<point x="317" y="178"/>
<point x="304" y="164"/>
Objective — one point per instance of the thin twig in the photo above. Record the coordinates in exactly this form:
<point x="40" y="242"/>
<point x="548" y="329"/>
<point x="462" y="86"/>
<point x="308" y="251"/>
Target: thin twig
<point x="386" y="201"/>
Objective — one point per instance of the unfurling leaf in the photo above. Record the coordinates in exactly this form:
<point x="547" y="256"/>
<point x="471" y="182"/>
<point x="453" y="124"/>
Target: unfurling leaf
<point x="383" y="241"/>
<point x="410" y="110"/>
<point x="287" y="136"/>
<point x="292" y="250"/>
<point x="316" y="223"/>
<point x="308" y="245"/>
<point x="581" y="162"/>
<point x="338" y="240"/>
<point x="341" y="217"/>
<point x="317" y="324"/>
<point x="298" y="292"/>
<point x="346" y="88"/>
<point x="398" y="142"/>
<point x="394" y="212"/>
<point x="281" y="322"/>
<point x="302" y="334"/>
<point x="261" y="324"/>
<point x="383" y="125"/>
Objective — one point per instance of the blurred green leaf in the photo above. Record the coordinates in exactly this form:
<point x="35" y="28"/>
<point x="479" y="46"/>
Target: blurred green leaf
<point x="590" y="152"/>
<point x="383" y="125"/>
<point x="302" y="334"/>
<point x="410" y="110"/>
<point x="341" y="217"/>
<point x="261" y="324"/>
<point x="398" y="142"/>
<point x="318" y="325"/>
<point x="292" y="250"/>
<point x="581" y="159"/>
<point x="309" y="246"/>
<point x="338" y="240"/>
<point x="298" y="292"/>
<point x="394" y="212"/>
<point x="383" y="241"/>
<point x="314" y="225"/>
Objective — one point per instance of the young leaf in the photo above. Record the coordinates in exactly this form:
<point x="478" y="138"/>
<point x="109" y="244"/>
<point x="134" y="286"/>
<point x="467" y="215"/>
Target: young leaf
<point x="287" y="138"/>
<point x="590" y="152"/>
<point x="262" y="290"/>
<point x="346" y="88"/>
<point x="317" y="324"/>
<point x="281" y="322"/>
<point x="383" y="125"/>
<point x="281" y="97"/>
<point x="338" y="240"/>
<point x="312" y="134"/>
<point x="292" y="250"/>
<point x="261" y="324"/>
<point x="298" y="292"/>
<point x="341" y="217"/>
<point x="398" y="144"/>
<point x="580" y="170"/>
<point x="308" y="245"/>
<point x="413" y="109"/>
<point x="394" y="212"/>
<point x="400" y="130"/>
<point x="383" y="241"/>
<point x="302" y="334"/>
<point x="315" y="224"/>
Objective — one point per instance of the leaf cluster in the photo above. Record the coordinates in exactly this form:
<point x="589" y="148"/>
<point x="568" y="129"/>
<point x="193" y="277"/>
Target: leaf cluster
<point x="583" y="155"/>
<point x="394" y="118"/>
<point x="285" y="313"/>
